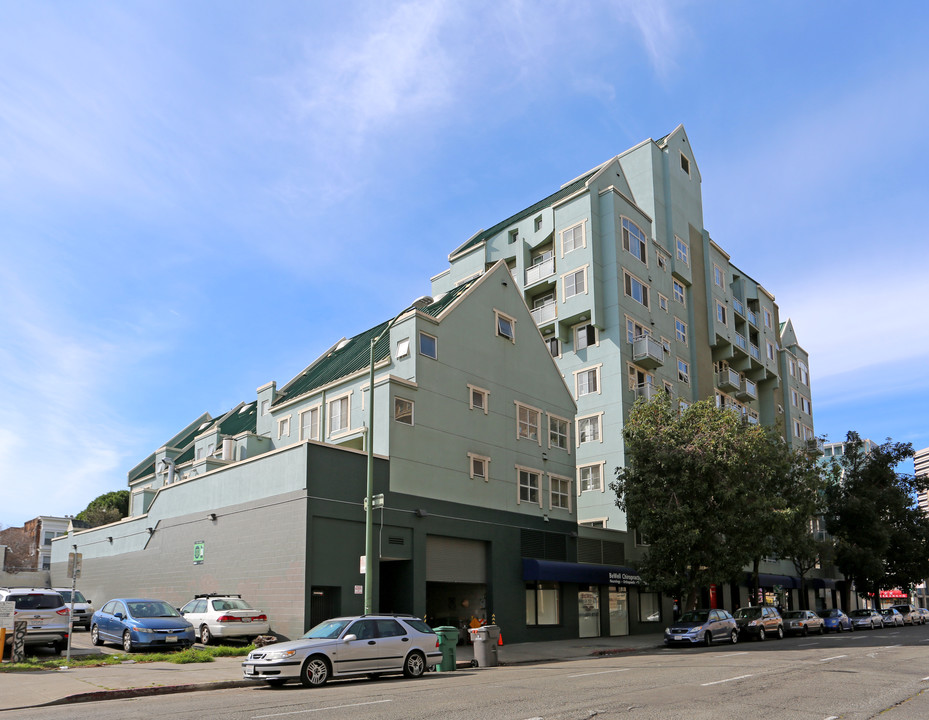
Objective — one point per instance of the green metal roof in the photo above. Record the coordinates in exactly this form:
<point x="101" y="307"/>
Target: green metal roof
<point x="354" y="354"/>
<point x="564" y="192"/>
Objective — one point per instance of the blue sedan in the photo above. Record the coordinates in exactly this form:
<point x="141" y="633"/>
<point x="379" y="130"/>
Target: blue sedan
<point x="139" y="622"/>
<point x="836" y="620"/>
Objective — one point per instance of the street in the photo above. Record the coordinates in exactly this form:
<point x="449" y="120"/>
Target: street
<point x="852" y="675"/>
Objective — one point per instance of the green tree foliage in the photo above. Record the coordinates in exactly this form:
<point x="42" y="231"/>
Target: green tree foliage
<point x="882" y="539"/>
<point x="710" y="493"/>
<point x="106" y="508"/>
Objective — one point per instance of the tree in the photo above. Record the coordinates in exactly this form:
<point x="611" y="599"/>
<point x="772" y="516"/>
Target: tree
<point x="104" y="509"/>
<point x="882" y="540"/>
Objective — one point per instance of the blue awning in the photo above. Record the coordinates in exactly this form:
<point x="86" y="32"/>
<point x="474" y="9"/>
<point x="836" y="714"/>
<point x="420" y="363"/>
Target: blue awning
<point x="769" y="581"/>
<point x="581" y="573"/>
<point x="822" y="583"/>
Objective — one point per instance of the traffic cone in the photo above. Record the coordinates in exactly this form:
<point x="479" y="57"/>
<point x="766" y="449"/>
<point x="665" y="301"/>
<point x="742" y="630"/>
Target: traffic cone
<point x="500" y="639"/>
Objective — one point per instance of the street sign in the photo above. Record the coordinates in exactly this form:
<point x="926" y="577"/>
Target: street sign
<point x="74" y="564"/>
<point x="199" y="552"/>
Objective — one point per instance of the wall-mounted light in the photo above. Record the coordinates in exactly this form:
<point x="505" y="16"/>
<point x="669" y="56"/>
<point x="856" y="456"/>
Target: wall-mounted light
<point x="213" y="517"/>
<point x="421" y="513"/>
<point x="109" y="539"/>
<point x="151" y="531"/>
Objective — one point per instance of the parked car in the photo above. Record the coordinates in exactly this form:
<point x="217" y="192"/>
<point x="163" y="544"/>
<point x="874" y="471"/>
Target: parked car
<point x="703" y="626"/>
<point x="45" y="613"/>
<point x="802" y="622"/>
<point x="910" y="613"/>
<point x="892" y="617"/>
<point x="759" y="621"/>
<point x="140" y="623"/>
<point x="83" y="609"/>
<point x="369" y="645"/>
<point x="836" y="620"/>
<point x="866" y="619"/>
<point x="217" y="616"/>
<point x="923" y="613"/>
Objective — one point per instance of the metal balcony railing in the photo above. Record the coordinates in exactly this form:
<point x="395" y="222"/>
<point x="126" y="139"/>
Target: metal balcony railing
<point x="541" y="271"/>
<point x="544" y="313"/>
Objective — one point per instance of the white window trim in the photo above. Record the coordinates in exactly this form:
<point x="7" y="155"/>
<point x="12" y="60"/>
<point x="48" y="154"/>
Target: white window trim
<point x="685" y="160"/>
<point x="541" y="413"/>
<point x="348" y="424"/>
<point x="403" y="348"/>
<point x="644" y="260"/>
<point x="595" y="368"/>
<point x="583" y="269"/>
<point x="677" y="252"/>
<point x="602" y="466"/>
<point x="648" y="289"/>
<point x="419" y="346"/>
<point x="575" y="329"/>
<point x="551" y="492"/>
<point x="676" y="321"/>
<point x="588" y="521"/>
<point x="283" y="427"/>
<point x="577" y="428"/>
<point x="474" y="456"/>
<point x="664" y="303"/>
<point x="662" y="259"/>
<point x="678" y="368"/>
<point x="475" y="389"/>
<point x="567" y="422"/>
<point x="683" y="300"/>
<point x="318" y="409"/>
<point x="534" y="471"/>
<point x="725" y="313"/>
<point x="583" y="226"/>
<point x="500" y="314"/>
<point x="412" y="421"/>
<point x="722" y="276"/>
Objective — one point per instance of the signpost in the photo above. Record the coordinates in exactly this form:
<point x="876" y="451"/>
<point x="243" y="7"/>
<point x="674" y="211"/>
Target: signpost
<point x="74" y="572"/>
<point x="7" y="610"/>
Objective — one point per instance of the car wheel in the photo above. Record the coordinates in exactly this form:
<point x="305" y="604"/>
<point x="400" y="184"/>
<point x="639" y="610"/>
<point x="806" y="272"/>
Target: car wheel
<point x="761" y="634"/>
<point x="127" y="642"/>
<point x="315" y="672"/>
<point x="95" y="636"/>
<point x="58" y="647"/>
<point x="205" y="636"/>
<point x="734" y="637"/>
<point x="780" y="632"/>
<point x="806" y="631"/>
<point x="414" y="665"/>
<point x="276" y="682"/>
<point x="707" y="638"/>
<point x="822" y="629"/>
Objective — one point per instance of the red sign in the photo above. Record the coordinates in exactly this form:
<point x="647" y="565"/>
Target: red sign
<point x="894" y="594"/>
<point x="713" y="596"/>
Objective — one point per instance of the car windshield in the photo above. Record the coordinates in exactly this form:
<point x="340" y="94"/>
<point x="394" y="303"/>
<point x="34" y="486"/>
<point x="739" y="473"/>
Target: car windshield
<point x="793" y="614"/>
<point x="37" y="601"/>
<point x="151" y="609"/>
<point x="329" y="630"/>
<point x="860" y="613"/>
<point x="78" y="597"/>
<point x="828" y="613"/>
<point x="748" y="612"/>
<point x="695" y="616"/>
<point x="231" y="604"/>
<point x="888" y="611"/>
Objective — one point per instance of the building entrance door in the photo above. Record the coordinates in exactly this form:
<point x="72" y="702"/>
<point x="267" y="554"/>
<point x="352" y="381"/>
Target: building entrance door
<point x="325" y="603"/>
<point x="619" y="611"/>
<point x="588" y="611"/>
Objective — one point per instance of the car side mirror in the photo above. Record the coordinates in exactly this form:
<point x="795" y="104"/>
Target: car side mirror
<point x="350" y="637"/>
<point x="118" y="615"/>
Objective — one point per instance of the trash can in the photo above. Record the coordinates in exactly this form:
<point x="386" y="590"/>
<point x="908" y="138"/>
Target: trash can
<point x="485" y="649"/>
<point x="448" y="639"/>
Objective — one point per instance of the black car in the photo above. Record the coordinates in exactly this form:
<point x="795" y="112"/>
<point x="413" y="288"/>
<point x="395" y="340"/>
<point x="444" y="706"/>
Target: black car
<point x="759" y="621"/>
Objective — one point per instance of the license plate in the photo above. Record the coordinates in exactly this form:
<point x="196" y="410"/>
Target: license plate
<point x="251" y="670"/>
<point x="171" y="638"/>
<point x="678" y="637"/>
<point x="246" y="619"/>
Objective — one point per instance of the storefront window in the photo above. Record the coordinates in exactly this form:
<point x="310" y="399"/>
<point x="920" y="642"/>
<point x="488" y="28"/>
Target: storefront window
<point x="619" y="611"/>
<point x="588" y="611"/>
<point x="542" y="603"/>
<point x="649" y="607"/>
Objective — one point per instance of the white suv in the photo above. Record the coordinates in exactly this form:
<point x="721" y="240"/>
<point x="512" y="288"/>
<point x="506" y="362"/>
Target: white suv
<point x="217" y="616"/>
<point x="83" y="609"/>
<point x="45" y="613"/>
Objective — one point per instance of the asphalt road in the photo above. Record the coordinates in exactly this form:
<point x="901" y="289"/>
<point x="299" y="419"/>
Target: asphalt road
<point x="852" y="675"/>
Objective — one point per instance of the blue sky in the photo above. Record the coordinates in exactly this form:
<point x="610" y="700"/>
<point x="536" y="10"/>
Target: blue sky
<point x="199" y="198"/>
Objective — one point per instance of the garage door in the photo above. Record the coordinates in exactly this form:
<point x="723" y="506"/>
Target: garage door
<point x="455" y="560"/>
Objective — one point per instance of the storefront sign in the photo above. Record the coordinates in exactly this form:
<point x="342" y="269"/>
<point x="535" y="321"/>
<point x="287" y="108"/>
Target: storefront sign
<point x="622" y="578"/>
<point x="893" y="594"/>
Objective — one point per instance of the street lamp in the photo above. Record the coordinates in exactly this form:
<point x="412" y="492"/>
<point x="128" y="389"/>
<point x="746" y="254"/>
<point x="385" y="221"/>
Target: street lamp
<point x="418" y="304"/>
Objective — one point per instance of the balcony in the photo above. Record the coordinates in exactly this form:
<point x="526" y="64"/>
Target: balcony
<point x="728" y="379"/>
<point x="748" y="390"/>
<point x="738" y="306"/>
<point x="544" y="313"/>
<point x="754" y="352"/>
<point x="647" y="391"/>
<point x="741" y="342"/>
<point x="753" y="318"/>
<point x="647" y="352"/>
<point x="539" y="272"/>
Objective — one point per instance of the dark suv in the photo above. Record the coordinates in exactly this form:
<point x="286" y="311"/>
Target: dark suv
<point x="759" y="621"/>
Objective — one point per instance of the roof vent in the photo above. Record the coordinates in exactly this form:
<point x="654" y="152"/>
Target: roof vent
<point x="342" y="343"/>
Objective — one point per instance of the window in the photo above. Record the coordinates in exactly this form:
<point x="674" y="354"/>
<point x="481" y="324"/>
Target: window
<point x="668" y="387"/>
<point x="479" y="466"/>
<point x="806" y="405"/>
<point x="338" y="415"/>
<point x="558" y="432"/>
<point x="538" y="223"/>
<point x="680" y="331"/>
<point x="265" y="405"/>
<point x="635" y="329"/>
<point x="588" y="429"/>
<point x="587" y="381"/>
<point x="685" y="163"/>
<point x="403" y="410"/>
<point x="554" y="347"/>
<point x="795" y="398"/>
<point x="403" y="348"/>
<point x="793" y="367"/>
<point x="662" y="260"/>
<point x="479" y="398"/>
<point x="683" y="371"/>
<point x="666" y="345"/>
<point x="529" y="486"/>
<point x="804" y="375"/>
<point x="683" y="252"/>
<point x="513" y="236"/>
<point x="590" y="477"/>
<point x="718" y="276"/>
<point x="560" y="492"/>
<point x="428" y="346"/>
<point x="593" y="523"/>
<point x="721" y="312"/>
<point x="635" y="288"/>
<point x="575" y="283"/>
<point x="767" y="317"/>
<point x="678" y="292"/>
<point x="309" y="424"/>
<point x="572" y="238"/>
<point x="663" y="302"/>
<point x="638" y="379"/>
<point x="649" y="605"/>
<point x="528" y="423"/>
<point x="506" y="326"/>
<point x="797" y="428"/>
<point x="542" y="603"/>
<point x="634" y="240"/>
<point x="771" y="351"/>
<point x="584" y="336"/>
<point x="283" y="427"/>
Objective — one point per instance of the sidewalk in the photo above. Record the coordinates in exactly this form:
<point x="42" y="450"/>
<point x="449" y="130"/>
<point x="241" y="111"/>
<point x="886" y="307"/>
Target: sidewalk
<point x="129" y="679"/>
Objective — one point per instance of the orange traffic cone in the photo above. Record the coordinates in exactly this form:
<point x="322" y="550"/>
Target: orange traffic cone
<point x="500" y="639"/>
